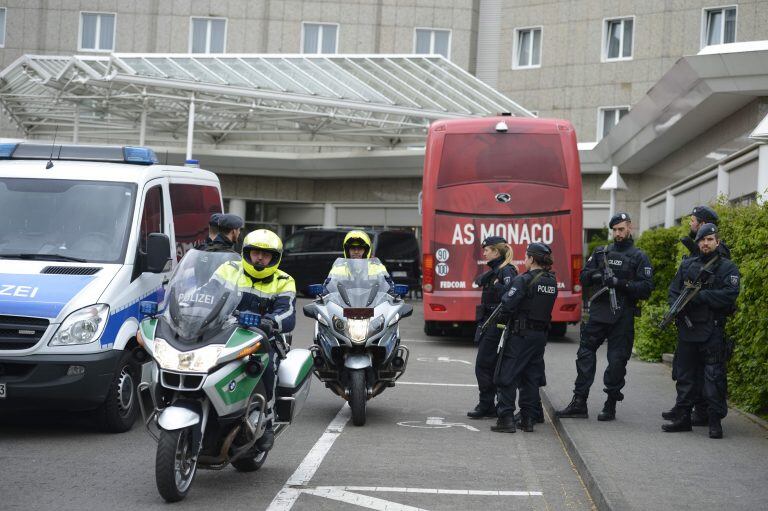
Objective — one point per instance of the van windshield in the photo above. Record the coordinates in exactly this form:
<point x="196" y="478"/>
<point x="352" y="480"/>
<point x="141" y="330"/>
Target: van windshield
<point x="59" y="220"/>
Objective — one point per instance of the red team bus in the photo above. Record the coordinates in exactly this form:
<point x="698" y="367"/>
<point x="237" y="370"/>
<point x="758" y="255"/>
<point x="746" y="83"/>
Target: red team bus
<point x="501" y="176"/>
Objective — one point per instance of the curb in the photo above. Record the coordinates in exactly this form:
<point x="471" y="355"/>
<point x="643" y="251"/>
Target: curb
<point x="603" y="499"/>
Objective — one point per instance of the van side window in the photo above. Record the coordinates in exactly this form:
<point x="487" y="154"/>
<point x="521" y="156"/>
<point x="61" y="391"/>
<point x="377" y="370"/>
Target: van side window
<point x="323" y="241"/>
<point x="192" y="205"/>
<point x="151" y="216"/>
<point x="295" y="243"/>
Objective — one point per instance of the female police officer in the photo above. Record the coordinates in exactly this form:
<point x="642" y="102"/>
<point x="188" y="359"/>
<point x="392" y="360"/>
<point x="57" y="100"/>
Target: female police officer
<point x="494" y="284"/>
<point x="529" y="303"/>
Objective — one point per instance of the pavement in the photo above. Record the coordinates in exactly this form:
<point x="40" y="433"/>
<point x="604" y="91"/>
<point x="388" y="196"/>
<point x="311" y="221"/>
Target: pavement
<point x="631" y="464"/>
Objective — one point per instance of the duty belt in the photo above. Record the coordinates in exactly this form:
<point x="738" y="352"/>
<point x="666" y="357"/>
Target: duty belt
<point x="528" y="324"/>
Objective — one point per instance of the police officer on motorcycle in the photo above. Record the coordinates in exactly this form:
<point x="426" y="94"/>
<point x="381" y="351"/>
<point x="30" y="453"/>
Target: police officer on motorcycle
<point x="528" y="302"/>
<point x="623" y="271"/>
<point x="701" y="343"/>
<point x="494" y="284"/>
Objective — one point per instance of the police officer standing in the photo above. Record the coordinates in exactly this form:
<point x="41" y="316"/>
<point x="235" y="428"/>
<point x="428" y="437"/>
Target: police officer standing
<point x="213" y="230"/>
<point x="631" y="280"/>
<point x="529" y="305"/>
<point x="229" y="231"/>
<point x="494" y="284"/>
<point x="701" y="331"/>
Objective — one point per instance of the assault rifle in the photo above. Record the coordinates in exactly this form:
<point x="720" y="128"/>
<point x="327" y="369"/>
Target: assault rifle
<point x="607" y="275"/>
<point x="690" y="290"/>
<point x="491" y="319"/>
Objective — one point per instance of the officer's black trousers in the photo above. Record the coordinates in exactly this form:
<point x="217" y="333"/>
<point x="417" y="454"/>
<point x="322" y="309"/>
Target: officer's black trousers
<point x="522" y="365"/>
<point x="485" y="364"/>
<point x="706" y="357"/>
<point x="700" y="402"/>
<point x="621" y="337"/>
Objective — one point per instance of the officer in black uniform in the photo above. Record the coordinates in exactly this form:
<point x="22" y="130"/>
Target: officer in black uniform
<point x="701" y="331"/>
<point x="229" y="231"/>
<point x="213" y="230"/>
<point x="494" y="284"/>
<point x="529" y="304"/>
<point x="632" y="281"/>
<point x="699" y="216"/>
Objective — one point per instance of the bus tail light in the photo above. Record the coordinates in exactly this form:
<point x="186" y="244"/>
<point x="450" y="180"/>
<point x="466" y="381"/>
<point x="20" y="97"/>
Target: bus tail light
<point x="437" y="307"/>
<point x="575" y="271"/>
<point x="428" y="273"/>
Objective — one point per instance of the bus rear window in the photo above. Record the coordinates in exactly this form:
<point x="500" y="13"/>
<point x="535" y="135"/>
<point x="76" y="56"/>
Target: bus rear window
<point x="492" y="157"/>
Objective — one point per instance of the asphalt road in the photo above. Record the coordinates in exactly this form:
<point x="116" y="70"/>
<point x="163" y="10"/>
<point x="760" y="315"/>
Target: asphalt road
<point x="418" y="450"/>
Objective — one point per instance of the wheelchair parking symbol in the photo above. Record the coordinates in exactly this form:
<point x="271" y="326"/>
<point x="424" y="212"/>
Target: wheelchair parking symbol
<point x="435" y="423"/>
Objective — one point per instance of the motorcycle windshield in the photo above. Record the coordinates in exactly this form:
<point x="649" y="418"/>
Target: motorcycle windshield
<point x="202" y="293"/>
<point x="358" y="282"/>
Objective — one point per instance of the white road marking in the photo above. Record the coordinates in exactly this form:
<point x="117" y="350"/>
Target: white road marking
<point x="435" y="423"/>
<point x="286" y="498"/>
<point x="443" y="359"/>
<point x="437" y="384"/>
<point x="334" y="493"/>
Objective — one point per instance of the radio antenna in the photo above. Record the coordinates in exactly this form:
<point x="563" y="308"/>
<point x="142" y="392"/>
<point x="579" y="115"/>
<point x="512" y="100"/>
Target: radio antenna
<point x="49" y="165"/>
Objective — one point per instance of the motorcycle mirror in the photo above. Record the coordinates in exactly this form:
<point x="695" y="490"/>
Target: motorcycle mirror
<point x="249" y="319"/>
<point x="315" y="290"/>
<point x="401" y="289"/>
<point x="406" y="310"/>
<point x="147" y="308"/>
<point x="310" y="310"/>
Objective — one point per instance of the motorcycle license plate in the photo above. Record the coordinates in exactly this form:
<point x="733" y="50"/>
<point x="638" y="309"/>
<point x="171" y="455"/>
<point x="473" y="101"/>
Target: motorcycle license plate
<point x="2" y="391"/>
<point x="399" y="274"/>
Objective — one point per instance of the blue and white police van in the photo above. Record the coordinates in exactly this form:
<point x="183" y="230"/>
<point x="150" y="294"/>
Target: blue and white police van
<point x="86" y="233"/>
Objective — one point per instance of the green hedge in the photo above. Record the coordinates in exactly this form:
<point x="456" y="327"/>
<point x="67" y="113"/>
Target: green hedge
<point x="745" y="230"/>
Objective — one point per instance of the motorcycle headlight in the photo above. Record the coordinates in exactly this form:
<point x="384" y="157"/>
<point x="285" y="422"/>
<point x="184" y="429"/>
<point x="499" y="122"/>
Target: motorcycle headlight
<point x="82" y="326"/>
<point x="195" y="361"/>
<point x="358" y="329"/>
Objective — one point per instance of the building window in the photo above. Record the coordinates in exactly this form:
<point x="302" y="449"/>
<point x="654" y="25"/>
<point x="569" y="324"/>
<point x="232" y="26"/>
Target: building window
<point x="718" y="26"/>
<point x="430" y="41"/>
<point x="208" y="35"/>
<point x="527" y="50"/>
<point x="2" y="27"/>
<point x="97" y="31"/>
<point x="319" y="37"/>
<point x="608" y="117"/>
<point x="618" y="39"/>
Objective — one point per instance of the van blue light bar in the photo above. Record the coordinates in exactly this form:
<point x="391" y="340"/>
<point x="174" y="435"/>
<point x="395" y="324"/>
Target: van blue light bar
<point x="112" y="154"/>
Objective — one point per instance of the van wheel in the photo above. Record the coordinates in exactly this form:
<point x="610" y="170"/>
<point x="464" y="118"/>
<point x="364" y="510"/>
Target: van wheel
<point x="118" y="413"/>
<point x="557" y="330"/>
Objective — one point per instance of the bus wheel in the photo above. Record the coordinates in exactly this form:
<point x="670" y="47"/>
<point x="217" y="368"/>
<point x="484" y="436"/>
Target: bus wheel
<point x="430" y="328"/>
<point x="557" y="330"/>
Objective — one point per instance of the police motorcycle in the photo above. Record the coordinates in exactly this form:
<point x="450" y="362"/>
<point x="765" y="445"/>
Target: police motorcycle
<point x="357" y="351"/>
<point x="202" y="396"/>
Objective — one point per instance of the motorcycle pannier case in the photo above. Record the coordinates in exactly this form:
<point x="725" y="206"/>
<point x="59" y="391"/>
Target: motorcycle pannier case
<point x="293" y="381"/>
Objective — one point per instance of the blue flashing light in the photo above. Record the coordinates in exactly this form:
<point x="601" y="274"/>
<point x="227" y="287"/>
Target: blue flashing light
<point x="249" y="319"/>
<point x="314" y="290"/>
<point x="147" y="308"/>
<point x="6" y="150"/>
<point x="140" y="155"/>
<point x="401" y="289"/>
<point x="192" y="163"/>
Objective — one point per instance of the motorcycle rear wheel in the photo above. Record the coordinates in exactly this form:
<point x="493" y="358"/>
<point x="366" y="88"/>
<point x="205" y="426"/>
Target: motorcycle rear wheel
<point x="357" y="396"/>
<point x="175" y="464"/>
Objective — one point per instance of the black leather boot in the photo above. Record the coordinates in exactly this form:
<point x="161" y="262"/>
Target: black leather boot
<point x="671" y="414"/>
<point x="482" y="411"/>
<point x="681" y="423"/>
<point x="504" y="424"/>
<point x="526" y="423"/>
<point x="539" y="419"/>
<point x="715" y="428"/>
<point x="609" y="410"/>
<point x="577" y="409"/>
<point x="699" y="417"/>
<point x="267" y="440"/>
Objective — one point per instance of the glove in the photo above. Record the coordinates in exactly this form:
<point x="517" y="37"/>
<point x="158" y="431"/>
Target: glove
<point x="596" y="277"/>
<point x="268" y="326"/>
<point x="613" y="283"/>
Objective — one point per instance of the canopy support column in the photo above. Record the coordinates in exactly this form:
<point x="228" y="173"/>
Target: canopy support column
<point x="76" y="125"/>
<point x="143" y="126"/>
<point x="190" y="126"/>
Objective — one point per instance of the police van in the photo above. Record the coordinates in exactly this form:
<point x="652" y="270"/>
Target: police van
<point x="86" y="233"/>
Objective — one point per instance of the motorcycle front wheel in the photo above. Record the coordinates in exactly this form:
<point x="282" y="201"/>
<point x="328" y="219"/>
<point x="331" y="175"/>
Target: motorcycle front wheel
<point x="357" y="396"/>
<point x="175" y="464"/>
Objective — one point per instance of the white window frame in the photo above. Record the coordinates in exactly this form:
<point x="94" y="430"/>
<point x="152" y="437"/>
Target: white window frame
<point x="604" y="42"/>
<point x="515" y="47"/>
<point x="705" y="17"/>
<point x="5" y="25"/>
<point x="600" y="116"/>
<point x="320" y="37"/>
<point x="207" y="32"/>
<point x="98" y="32"/>
<point x="432" y="31"/>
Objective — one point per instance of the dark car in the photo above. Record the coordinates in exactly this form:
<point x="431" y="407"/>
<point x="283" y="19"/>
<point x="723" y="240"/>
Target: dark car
<point x="309" y="253"/>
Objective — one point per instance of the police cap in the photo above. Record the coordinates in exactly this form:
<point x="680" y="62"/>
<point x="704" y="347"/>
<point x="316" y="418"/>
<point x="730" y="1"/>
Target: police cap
<point x="705" y="230"/>
<point x="229" y="221"/>
<point x="214" y="220"/>
<point x="705" y="214"/>
<point x="618" y="218"/>
<point x="493" y="240"/>
<point x="541" y="249"/>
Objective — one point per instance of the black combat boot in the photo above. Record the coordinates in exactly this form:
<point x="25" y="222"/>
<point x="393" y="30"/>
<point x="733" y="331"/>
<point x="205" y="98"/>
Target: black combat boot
<point x="699" y="417"/>
<point x="715" y="428"/>
<point x="577" y="409"/>
<point x="504" y="424"/>
<point x="526" y="423"/>
<point x="671" y="414"/>
<point x="538" y="419"/>
<point x="482" y="411"/>
<point x="680" y="423"/>
<point x="267" y="440"/>
<point x="609" y="410"/>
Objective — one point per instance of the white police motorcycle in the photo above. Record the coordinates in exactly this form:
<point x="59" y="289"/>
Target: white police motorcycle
<point x="203" y="395"/>
<point x="357" y="351"/>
